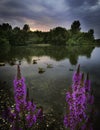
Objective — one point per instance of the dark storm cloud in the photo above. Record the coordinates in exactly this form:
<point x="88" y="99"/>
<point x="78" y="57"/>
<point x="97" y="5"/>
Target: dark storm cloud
<point x="15" y="4"/>
<point x="40" y="11"/>
<point x="77" y="3"/>
<point x="13" y="8"/>
<point x="92" y="20"/>
<point x="18" y="10"/>
<point x="87" y="11"/>
<point x="51" y="13"/>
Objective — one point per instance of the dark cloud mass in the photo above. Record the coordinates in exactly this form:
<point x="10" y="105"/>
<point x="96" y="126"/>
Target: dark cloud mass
<point x="46" y="14"/>
<point x="77" y="3"/>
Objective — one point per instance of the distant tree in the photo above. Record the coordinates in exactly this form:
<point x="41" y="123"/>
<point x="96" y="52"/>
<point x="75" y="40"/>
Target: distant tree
<point x="58" y="35"/>
<point x="16" y="29"/>
<point x="5" y="31"/>
<point x="0" y="27"/>
<point x="91" y="34"/>
<point x="6" y="27"/>
<point x="26" y="28"/>
<point x="59" y="29"/>
<point x="75" y="27"/>
<point x="4" y="43"/>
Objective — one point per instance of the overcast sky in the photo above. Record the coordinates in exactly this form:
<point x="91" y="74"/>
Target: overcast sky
<point x="46" y="14"/>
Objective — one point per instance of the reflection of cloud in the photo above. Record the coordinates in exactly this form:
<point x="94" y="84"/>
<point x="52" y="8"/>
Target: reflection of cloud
<point x="46" y="14"/>
<point x="42" y="59"/>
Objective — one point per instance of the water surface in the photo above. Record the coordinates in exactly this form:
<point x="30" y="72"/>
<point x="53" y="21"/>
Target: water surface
<point x="48" y="89"/>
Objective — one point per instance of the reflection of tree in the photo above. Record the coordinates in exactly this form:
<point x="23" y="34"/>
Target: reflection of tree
<point x="29" y="59"/>
<point x="76" y="51"/>
<point x="73" y="59"/>
<point x="57" y="53"/>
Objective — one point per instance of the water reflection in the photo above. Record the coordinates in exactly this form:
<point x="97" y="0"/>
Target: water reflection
<point x="49" y="88"/>
<point x="56" y="53"/>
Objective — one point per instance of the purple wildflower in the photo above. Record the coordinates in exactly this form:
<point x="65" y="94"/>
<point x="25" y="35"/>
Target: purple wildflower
<point x="25" y="111"/>
<point x="77" y="75"/>
<point x="31" y="119"/>
<point x="78" y="100"/>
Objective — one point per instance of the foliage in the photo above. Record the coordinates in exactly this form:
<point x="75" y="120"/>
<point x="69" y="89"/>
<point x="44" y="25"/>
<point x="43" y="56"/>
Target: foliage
<point x="97" y="42"/>
<point x="6" y="27"/>
<point x="4" y="44"/>
<point x="75" y="27"/>
<point x="16" y="29"/>
<point x="56" y="36"/>
<point x="26" y="28"/>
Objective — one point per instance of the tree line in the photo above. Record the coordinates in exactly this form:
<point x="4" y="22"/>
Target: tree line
<point x="56" y="36"/>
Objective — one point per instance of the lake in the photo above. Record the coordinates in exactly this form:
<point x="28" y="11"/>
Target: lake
<point x="48" y="89"/>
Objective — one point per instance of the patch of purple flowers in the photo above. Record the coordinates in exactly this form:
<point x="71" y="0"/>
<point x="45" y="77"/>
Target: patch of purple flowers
<point x="25" y="113"/>
<point x="80" y="101"/>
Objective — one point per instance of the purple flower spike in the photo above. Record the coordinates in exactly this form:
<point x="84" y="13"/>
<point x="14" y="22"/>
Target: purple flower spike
<point x="31" y="119"/>
<point x="39" y="114"/>
<point x="91" y="99"/>
<point x="87" y="84"/>
<point x="25" y="113"/>
<point x="79" y="99"/>
<point x="66" y="122"/>
<point x="77" y="75"/>
<point x="19" y="92"/>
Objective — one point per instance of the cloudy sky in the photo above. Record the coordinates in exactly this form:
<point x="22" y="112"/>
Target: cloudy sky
<point x="46" y="14"/>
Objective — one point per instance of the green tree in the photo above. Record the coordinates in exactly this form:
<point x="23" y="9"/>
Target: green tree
<point x="16" y="29"/>
<point x="6" y="27"/>
<point x="26" y="28"/>
<point x="91" y="34"/>
<point x="75" y="27"/>
<point x="4" y="44"/>
<point x="58" y="36"/>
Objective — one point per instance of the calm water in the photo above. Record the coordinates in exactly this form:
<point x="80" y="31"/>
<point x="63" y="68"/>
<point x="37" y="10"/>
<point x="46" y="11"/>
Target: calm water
<point x="48" y="89"/>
